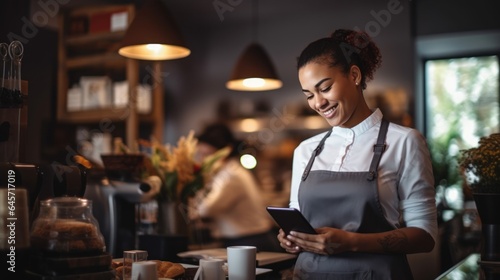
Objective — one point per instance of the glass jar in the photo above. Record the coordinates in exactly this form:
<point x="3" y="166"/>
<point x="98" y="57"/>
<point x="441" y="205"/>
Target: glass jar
<point x="66" y="225"/>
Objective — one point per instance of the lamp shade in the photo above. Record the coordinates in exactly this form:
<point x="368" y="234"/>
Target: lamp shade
<point x="254" y="71"/>
<point x="153" y="35"/>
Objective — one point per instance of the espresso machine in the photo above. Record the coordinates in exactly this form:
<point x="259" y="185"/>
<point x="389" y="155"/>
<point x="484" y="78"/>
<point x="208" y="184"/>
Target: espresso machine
<point x="117" y="192"/>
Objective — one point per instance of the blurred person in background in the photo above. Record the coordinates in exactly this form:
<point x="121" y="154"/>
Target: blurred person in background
<point x="231" y="200"/>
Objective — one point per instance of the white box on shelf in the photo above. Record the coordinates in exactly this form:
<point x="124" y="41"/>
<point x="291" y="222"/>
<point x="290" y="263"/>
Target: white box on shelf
<point x="74" y="99"/>
<point x="119" y="21"/>
<point x="144" y="99"/>
<point x="120" y="94"/>
<point x="96" y="92"/>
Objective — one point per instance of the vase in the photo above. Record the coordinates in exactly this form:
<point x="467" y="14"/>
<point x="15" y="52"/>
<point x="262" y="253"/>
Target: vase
<point x="172" y="218"/>
<point x="488" y="208"/>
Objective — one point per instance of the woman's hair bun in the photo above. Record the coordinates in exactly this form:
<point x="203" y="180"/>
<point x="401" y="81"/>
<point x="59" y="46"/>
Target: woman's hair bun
<point x="343" y="49"/>
<point x="362" y="46"/>
<point x="340" y="35"/>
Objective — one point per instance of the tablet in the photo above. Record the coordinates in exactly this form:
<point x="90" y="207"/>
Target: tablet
<point x="290" y="219"/>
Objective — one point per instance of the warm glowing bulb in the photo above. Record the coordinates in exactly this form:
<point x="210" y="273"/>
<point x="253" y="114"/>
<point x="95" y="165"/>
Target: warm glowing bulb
<point x="154" y="47"/>
<point x="314" y="122"/>
<point x="248" y="161"/>
<point x="254" y="82"/>
<point x="249" y="125"/>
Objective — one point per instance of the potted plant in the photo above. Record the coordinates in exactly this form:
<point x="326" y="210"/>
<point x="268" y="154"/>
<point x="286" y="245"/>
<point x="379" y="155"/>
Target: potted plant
<point x="480" y="167"/>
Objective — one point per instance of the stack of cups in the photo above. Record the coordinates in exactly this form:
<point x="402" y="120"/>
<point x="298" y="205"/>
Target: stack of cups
<point x="241" y="262"/>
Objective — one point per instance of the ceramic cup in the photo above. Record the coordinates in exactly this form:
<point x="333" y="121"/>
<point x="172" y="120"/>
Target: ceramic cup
<point x="210" y="269"/>
<point x="241" y="262"/>
<point x="144" y="270"/>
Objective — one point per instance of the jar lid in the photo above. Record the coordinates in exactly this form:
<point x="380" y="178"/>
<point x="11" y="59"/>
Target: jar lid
<point x="66" y="201"/>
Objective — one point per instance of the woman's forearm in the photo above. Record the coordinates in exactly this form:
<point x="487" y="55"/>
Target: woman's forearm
<point x="405" y="241"/>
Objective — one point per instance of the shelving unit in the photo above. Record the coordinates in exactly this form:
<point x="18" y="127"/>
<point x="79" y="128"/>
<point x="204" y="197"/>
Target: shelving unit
<point x="86" y="52"/>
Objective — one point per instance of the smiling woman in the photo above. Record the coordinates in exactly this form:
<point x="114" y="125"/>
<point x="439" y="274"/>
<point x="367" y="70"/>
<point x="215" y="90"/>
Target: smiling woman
<point x="335" y="98"/>
<point x="355" y="182"/>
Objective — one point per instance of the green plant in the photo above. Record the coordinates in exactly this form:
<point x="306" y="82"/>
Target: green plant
<point x="480" y="166"/>
<point x="444" y="162"/>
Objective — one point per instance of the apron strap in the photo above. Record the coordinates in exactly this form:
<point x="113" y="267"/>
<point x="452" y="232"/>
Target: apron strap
<point x="378" y="150"/>
<point x="316" y="152"/>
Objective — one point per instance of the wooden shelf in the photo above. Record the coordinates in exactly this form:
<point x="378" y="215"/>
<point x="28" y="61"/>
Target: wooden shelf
<point x="96" y="53"/>
<point x="98" y="115"/>
<point x="79" y="40"/>
<point x="106" y="60"/>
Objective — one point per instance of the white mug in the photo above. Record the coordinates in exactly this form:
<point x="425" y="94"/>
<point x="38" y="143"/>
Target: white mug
<point x="144" y="270"/>
<point x="241" y="262"/>
<point x="210" y="269"/>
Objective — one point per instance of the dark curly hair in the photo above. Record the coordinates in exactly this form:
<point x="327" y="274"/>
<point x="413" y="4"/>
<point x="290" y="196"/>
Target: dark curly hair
<point x="343" y="49"/>
<point x="219" y="135"/>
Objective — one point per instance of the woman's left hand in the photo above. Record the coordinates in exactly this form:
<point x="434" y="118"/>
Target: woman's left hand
<point x="328" y="241"/>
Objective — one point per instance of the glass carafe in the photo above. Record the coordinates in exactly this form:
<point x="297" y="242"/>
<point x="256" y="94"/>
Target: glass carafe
<point x="66" y="225"/>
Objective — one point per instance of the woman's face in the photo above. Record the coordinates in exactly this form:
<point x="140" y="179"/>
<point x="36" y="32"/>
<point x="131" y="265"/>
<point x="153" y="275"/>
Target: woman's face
<point x="333" y="94"/>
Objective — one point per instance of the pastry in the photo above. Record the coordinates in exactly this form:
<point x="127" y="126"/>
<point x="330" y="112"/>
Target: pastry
<point x="119" y="272"/>
<point x="67" y="235"/>
<point x="173" y="271"/>
<point x="163" y="268"/>
<point x="115" y="264"/>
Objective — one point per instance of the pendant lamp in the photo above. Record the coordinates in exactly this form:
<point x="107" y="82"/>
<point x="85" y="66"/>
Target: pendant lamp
<point x="153" y="35"/>
<point x="254" y="70"/>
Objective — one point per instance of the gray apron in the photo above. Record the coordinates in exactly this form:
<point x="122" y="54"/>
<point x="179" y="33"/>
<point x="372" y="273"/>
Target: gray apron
<point x="348" y="201"/>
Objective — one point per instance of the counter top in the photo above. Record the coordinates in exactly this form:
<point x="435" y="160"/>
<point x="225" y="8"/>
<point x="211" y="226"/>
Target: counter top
<point x="468" y="268"/>
<point x="263" y="258"/>
<point x="472" y="268"/>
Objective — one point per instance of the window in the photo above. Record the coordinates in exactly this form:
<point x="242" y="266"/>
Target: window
<point x="462" y="105"/>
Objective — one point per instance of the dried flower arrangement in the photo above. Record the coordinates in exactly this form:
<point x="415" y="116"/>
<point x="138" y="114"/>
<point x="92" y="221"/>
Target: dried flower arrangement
<point x="178" y="169"/>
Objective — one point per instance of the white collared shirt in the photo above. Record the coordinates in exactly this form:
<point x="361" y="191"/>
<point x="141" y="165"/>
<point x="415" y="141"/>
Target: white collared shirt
<point x="405" y="178"/>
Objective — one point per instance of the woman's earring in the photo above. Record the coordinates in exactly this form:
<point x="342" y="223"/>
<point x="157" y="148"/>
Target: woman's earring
<point x="357" y="83"/>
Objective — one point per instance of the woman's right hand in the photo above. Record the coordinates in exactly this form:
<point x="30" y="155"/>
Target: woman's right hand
<point x="286" y="244"/>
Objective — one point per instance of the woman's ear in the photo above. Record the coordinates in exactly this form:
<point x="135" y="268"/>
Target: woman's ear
<point x="355" y="74"/>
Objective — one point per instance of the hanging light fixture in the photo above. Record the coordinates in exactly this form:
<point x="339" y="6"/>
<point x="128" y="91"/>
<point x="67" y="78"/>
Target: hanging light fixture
<point x="153" y="35"/>
<point x="254" y="70"/>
